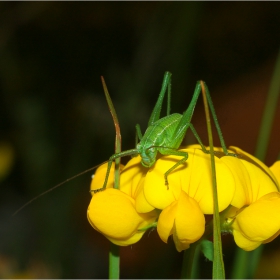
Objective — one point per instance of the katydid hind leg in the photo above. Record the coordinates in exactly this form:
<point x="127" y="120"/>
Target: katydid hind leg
<point x="138" y="133"/>
<point x="213" y="112"/>
<point x="166" y="84"/>
<point x="187" y="116"/>
<point x="185" y="121"/>
<point x="169" y="98"/>
<point x="198" y="138"/>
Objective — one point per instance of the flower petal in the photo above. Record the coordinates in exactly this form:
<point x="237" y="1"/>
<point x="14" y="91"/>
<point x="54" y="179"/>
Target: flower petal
<point x="131" y="175"/>
<point x="156" y="192"/>
<point x="260" y="220"/>
<point x="249" y="158"/>
<point x="127" y="241"/>
<point x="141" y="203"/>
<point x="166" y="221"/>
<point x="189" y="221"/>
<point x="251" y="181"/>
<point x="184" y="219"/>
<point x="245" y="243"/>
<point x="180" y="244"/>
<point x="242" y="195"/>
<point x="261" y="183"/>
<point x="199" y="184"/>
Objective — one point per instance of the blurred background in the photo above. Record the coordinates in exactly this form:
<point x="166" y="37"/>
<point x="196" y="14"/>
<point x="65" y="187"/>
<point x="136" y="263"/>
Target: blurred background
<point x="55" y="123"/>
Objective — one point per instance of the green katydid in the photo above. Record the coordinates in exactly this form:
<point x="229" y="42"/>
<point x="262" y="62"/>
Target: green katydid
<point x="165" y="135"/>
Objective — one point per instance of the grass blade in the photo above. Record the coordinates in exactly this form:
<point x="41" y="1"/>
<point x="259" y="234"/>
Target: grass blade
<point x="218" y="263"/>
<point x="114" y="254"/>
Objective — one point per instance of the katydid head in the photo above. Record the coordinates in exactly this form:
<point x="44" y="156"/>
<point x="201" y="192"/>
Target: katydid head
<point x="148" y="155"/>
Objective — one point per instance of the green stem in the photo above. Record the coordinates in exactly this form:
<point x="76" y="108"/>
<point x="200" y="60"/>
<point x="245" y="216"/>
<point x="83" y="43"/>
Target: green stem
<point x="218" y="263"/>
<point x="114" y="261"/>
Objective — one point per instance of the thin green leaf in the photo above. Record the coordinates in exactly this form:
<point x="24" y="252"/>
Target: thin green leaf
<point x="118" y="132"/>
<point x="114" y="254"/>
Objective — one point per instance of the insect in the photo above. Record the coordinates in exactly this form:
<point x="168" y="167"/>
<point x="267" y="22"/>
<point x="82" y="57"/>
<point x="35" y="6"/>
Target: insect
<point x="165" y="135"/>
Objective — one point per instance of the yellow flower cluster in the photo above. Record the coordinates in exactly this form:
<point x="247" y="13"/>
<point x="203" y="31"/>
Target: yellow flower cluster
<point x="248" y="193"/>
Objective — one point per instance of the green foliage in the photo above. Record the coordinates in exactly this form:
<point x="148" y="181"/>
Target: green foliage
<point x="207" y="249"/>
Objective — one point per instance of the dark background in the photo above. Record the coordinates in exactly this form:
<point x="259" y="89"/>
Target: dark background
<point x="54" y="115"/>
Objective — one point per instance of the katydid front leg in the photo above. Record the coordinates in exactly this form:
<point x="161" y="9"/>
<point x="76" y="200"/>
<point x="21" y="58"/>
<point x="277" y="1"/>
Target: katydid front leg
<point x="110" y="161"/>
<point x="181" y="161"/>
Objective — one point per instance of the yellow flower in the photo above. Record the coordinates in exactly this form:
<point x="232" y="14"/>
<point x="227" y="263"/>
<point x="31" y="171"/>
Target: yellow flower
<point x="255" y="217"/>
<point x="112" y="213"/>
<point x="243" y="182"/>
